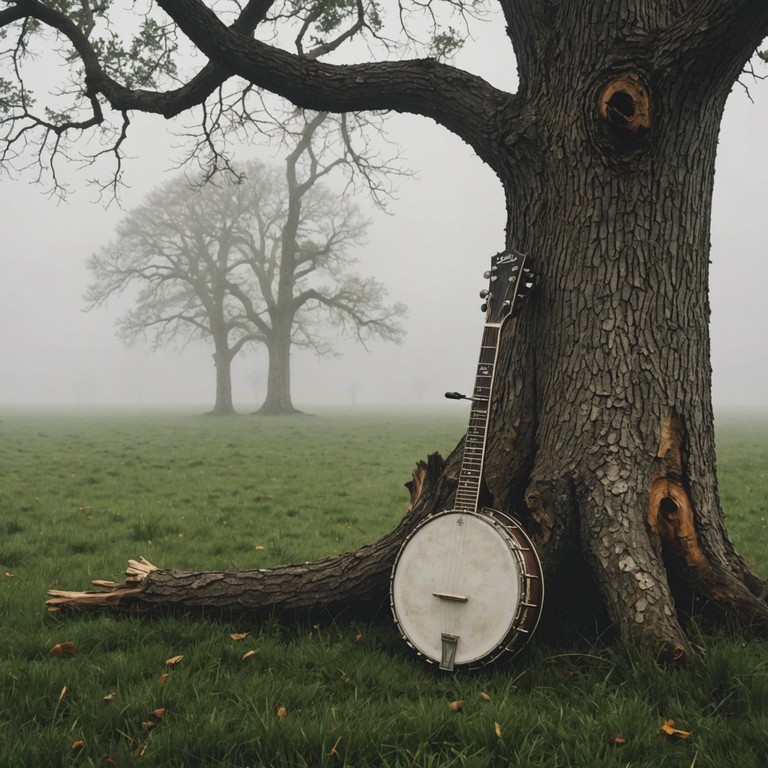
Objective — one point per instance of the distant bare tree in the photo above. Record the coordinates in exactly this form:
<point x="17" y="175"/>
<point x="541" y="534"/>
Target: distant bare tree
<point x="263" y="259"/>
<point x="300" y="280"/>
<point x="178" y="248"/>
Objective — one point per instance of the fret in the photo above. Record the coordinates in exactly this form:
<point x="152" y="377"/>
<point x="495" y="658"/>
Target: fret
<point x="473" y="459"/>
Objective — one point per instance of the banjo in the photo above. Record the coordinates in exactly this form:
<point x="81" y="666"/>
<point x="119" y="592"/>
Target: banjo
<point x="466" y="587"/>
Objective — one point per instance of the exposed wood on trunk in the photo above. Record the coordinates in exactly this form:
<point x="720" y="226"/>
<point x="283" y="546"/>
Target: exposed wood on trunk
<point x="671" y="516"/>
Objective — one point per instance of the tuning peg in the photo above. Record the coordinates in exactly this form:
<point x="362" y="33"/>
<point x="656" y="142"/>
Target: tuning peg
<point x="484" y="293"/>
<point x="483" y="307"/>
<point x="528" y="277"/>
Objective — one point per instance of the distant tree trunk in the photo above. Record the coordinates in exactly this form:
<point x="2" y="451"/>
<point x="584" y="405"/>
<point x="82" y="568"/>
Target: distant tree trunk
<point x="278" y="399"/>
<point x="222" y="360"/>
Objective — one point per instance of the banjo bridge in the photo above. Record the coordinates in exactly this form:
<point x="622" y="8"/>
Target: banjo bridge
<point x="451" y="597"/>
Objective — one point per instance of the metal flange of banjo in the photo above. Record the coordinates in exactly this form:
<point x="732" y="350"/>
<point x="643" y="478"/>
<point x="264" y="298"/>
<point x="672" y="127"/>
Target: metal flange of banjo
<point x="466" y="586"/>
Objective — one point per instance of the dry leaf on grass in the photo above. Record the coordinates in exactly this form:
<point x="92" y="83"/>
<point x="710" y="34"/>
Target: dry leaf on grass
<point x="159" y="713"/>
<point x="239" y="635"/>
<point x="164" y="676"/>
<point x="78" y="744"/>
<point x="484" y="696"/>
<point x="616" y="740"/>
<point x="456" y="706"/>
<point x="110" y="697"/>
<point x="676" y="733"/>
<point x="248" y="654"/>
<point x="497" y="730"/>
<point x="282" y="712"/>
<point x="173" y="660"/>
<point x="64" y="649"/>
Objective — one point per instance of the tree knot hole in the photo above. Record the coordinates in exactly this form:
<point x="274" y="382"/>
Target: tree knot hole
<point x="625" y="113"/>
<point x="668" y="508"/>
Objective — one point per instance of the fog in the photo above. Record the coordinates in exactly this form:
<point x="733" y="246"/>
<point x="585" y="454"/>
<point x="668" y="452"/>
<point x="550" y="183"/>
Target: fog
<point x="430" y="253"/>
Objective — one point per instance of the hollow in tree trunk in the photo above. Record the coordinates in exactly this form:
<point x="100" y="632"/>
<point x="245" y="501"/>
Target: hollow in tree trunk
<point x="601" y="438"/>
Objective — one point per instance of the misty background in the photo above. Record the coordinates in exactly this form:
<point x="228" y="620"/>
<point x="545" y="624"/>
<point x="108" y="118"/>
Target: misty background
<point x="431" y="253"/>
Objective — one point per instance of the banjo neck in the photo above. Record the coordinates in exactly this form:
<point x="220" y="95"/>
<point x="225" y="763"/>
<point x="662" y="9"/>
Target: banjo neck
<point x="504" y="289"/>
<point x="473" y="460"/>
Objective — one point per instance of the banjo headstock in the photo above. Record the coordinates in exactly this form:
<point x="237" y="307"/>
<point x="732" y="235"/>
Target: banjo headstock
<point x="508" y="281"/>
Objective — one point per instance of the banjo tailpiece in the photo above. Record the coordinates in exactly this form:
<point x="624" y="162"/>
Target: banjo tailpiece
<point x="448" y="658"/>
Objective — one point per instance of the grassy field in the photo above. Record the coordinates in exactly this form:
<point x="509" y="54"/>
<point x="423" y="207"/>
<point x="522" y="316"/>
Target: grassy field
<point x="81" y="492"/>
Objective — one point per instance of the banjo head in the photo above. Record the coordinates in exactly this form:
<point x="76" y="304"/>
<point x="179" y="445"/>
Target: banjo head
<point x="466" y="588"/>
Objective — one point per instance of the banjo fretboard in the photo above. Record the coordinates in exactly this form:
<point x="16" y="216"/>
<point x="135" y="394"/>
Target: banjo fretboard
<point x="503" y="291"/>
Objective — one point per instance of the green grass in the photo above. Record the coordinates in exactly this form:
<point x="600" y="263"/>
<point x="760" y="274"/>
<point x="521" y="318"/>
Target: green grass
<point x="80" y="492"/>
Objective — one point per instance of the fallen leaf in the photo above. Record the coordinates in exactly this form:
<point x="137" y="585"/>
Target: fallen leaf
<point x="110" y="697"/>
<point x="358" y="637"/>
<point x="497" y="730"/>
<point x="616" y="740"/>
<point x="239" y="635"/>
<point x="164" y="677"/>
<point x="456" y="706"/>
<point x="78" y="744"/>
<point x="484" y="696"/>
<point x="64" y="649"/>
<point x="173" y="660"/>
<point x="258" y="547"/>
<point x="670" y="730"/>
<point x="9" y="574"/>
<point x="159" y="713"/>
<point x="248" y="654"/>
<point x="282" y="712"/>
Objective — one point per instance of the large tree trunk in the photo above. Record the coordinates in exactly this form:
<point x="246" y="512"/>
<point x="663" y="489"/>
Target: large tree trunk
<point x="222" y="360"/>
<point x="278" y="400"/>
<point x="601" y="438"/>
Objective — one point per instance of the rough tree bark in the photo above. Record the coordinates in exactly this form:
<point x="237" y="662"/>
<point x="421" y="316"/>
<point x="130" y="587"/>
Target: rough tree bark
<point x="602" y="437"/>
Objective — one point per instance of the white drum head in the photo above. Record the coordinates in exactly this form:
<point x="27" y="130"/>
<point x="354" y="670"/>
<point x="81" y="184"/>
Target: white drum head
<point x="457" y="575"/>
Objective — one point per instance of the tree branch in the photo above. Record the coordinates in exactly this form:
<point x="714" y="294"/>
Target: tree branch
<point x="461" y="102"/>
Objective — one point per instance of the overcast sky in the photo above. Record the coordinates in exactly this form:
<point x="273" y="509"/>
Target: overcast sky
<point x="431" y="253"/>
